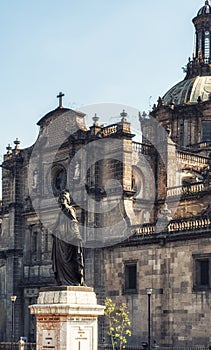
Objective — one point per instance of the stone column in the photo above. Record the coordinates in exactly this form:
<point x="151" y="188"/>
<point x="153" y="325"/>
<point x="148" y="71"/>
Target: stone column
<point x="66" y="318"/>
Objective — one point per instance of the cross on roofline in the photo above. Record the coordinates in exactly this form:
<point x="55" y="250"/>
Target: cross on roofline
<point x="59" y="96"/>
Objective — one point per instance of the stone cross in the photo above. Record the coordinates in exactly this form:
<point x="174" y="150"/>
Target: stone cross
<point x="59" y="96"/>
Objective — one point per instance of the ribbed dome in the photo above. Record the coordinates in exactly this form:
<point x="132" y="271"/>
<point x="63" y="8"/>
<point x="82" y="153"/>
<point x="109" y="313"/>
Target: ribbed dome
<point x="189" y="90"/>
<point x="206" y="9"/>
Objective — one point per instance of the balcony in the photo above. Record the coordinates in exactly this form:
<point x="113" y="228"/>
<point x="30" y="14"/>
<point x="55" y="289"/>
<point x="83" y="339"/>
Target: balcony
<point x="188" y="190"/>
<point x="187" y="225"/>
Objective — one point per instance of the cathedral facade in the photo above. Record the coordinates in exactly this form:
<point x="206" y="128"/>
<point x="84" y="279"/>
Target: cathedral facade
<point x="143" y="208"/>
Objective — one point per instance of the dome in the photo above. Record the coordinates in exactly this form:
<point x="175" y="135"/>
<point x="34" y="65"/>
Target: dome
<point x="189" y="90"/>
<point x="206" y="9"/>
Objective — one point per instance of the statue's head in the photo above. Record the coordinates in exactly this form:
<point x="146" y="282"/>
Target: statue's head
<point x="64" y="196"/>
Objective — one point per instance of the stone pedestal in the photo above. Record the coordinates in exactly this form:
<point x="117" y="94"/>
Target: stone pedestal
<point x="66" y="318"/>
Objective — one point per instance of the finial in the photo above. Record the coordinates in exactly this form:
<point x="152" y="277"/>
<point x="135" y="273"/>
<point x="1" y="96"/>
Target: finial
<point x="17" y="148"/>
<point x="207" y="2"/>
<point x="95" y="119"/>
<point x="160" y="102"/>
<point x="59" y="96"/>
<point x="9" y="149"/>
<point x="144" y="115"/>
<point x="17" y="143"/>
<point x="123" y="115"/>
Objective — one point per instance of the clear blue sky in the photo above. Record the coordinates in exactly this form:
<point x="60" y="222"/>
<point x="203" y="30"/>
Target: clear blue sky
<point x="96" y="51"/>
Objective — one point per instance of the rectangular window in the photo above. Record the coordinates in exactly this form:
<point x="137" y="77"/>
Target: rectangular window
<point x="130" y="277"/>
<point x="185" y="134"/>
<point x="203" y="272"/>
<point x="202" y="269"/>
<point x="206" y="131"/>
<point x="34" y="242"/>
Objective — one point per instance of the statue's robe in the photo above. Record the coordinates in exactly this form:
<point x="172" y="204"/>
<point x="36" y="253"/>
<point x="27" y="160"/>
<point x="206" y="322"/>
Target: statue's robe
<point x="67" y="255"/>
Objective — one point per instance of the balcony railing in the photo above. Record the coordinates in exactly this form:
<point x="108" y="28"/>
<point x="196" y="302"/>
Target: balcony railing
<point x="108" y="130"/>
<point x="185" y="190"/>
<point x="191" y="224"/>
<point x="191" y="159"/>
<point x="175" y="226"/>
<point x="142" y="148"/>
<point x="144" y="230"/>
<point x="181" y="156"/>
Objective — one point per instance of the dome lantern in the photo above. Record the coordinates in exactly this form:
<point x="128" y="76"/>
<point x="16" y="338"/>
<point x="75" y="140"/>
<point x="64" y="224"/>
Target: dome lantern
<point x="197" y="81"/>
<point x="202" y="23"/>
<point x="206" y="9"/>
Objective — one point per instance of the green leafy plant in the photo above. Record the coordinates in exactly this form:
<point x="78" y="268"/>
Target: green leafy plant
<point x="118" y="323"/>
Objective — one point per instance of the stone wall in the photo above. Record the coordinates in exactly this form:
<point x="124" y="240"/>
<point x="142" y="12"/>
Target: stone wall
<point x="180" y="316"/>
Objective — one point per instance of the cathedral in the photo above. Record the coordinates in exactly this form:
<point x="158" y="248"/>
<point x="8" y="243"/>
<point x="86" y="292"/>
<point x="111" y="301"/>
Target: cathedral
<point x="143" y="210"/>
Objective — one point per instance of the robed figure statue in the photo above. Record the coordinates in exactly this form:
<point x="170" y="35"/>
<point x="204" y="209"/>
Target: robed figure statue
<point x="67" y="253"/>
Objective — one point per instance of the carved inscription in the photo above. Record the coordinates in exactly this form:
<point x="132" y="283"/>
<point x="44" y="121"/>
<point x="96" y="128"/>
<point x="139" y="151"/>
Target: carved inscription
<point x="47" y="319"/>
<point x="81" y="338"/>
<point x="81" y="335"/>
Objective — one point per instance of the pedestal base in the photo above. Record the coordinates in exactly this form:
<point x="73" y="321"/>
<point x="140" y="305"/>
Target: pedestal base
<point x="66" y="318"/>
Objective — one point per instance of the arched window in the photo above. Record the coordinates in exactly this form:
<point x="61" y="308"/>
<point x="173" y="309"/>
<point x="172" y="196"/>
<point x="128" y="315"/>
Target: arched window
<point x="207" y="47"/>
<point x="58" y="178"/>
<point x="199" y="43"/>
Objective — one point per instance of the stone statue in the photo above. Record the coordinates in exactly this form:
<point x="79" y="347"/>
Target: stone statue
<point x="67" y="253"/>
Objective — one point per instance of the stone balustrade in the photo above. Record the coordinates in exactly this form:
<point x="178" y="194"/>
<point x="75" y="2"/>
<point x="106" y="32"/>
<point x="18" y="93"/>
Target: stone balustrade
<point x="191" y="159"/>
<point x="181" y="157"/>
<point x="189" y="225"/>
<point x="146" y="229"/>
<point x="108" y="130"/>
<point x="175" y="226"/>
<point x="182" y="190"/>
<point x="141" y="148"/>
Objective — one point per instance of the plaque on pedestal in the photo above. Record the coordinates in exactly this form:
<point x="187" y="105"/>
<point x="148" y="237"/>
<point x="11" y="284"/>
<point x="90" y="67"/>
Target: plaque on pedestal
<point x="66" y="318"/>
